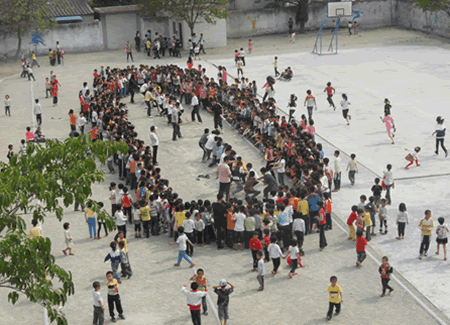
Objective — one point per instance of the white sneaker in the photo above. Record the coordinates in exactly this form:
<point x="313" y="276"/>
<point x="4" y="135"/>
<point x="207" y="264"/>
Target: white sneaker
<point x="420" y="257"/>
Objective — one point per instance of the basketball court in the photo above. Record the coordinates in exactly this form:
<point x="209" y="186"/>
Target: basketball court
<point x="415" y="79"/>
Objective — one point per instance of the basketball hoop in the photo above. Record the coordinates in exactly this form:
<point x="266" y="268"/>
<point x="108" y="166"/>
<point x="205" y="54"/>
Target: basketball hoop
<point x="333" y="10"/>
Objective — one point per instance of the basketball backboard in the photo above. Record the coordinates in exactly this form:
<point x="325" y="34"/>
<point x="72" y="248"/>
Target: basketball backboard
<point x="339" y="9"/>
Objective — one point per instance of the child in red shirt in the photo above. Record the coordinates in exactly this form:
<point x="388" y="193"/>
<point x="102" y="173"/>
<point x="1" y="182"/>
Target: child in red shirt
<point x="322" y="222"/>
<point x="361" y="243"/>
<point x="255" y="246"/>
<point x="328" y="209"/>
<point x="351" y="219"/>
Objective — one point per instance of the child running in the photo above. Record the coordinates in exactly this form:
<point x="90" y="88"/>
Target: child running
<point x="385" y="270"/>
<point x="345" y="109"/>
<point x="182" y="242"/>
<point x="293" y="253"/>
<point x="335" y="297"/>
<point x="223" y="299"/>
<point x="412" y="157"/>
<point x="389" y="121"/>
<point x="330" y="92"/>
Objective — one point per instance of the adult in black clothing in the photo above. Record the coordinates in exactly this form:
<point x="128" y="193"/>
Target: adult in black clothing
<point x="217" y="109"/>
<point x="269" y="180"/>
<point x="220" y="219"/>
<point x="137" y="41"/>
<point x="133" y="86"/>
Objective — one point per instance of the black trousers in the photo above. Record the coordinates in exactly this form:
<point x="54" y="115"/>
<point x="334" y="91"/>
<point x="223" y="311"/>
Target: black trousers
<point x="255" y="260"/>
<point x="195" y="111"/>
<point x="39" y="119"/>
<point x="285" y="233"/>
<point x="114" y="299"/>
<point x="220" y="229"/>
<point x="441" y="141"/>
<point x="130" y="55"/>
<point x="300" y="237"/>
<point x="361" y="256"/>
<point x="146" y="226"/>
<point x="204" y="151"/>
<point x="291" y="115"/>
<point x="100" y="228"/>
<point x="401" y="229"/>
<point x="330" y="100"/>
<point x="149" y="108"/>
<point x="425" y="244"/>
<point x="323" y="240"/>
<point x="155" y="154"/>
<point x="276" y="264"/>
<point x="385" y="284"/>
<point x="123" y="229"/>
<point x="331" y="307"/>
<point x="224" y="188"/>
<point x="155" y="225"/>
<point x="127" y="210"/>
<point x="195" y="315"/>
<point x="176" y="131"/>
<point x="190" y="248"/>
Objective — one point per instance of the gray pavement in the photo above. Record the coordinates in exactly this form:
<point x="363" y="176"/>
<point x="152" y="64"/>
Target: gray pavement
<point x="152" y="295"/>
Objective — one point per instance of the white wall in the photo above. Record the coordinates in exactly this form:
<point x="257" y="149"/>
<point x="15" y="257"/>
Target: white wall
<point x="268" y="21"/>
<point x="432" y="22"/>
<point x="77" y="37"/>
<point x="120" y="28"/>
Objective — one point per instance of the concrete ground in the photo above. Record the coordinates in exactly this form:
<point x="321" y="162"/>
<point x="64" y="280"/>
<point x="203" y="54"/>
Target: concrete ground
<point x="152" y="295"/>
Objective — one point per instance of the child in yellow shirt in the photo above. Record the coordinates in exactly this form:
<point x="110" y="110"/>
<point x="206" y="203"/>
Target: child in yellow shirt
<point x="335" y="297"/>
<point x="367" y="222"/>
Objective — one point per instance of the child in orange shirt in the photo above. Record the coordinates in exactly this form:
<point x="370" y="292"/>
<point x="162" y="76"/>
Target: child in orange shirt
<point x="328" y="209"/>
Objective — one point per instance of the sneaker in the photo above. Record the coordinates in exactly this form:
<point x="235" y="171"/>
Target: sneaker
<point x="420" y="257"/>
<point x="336" y="313"/>
<point x="205" y="313"/>
<point x="260" y="289"/>
<point x="425" y="254"/>
<point x="121" y="316"/>
<point x="390" y="291"/>
<point x="113" y="319"/>
<point x="382" y="295"/>
<point x="328" y="317"/>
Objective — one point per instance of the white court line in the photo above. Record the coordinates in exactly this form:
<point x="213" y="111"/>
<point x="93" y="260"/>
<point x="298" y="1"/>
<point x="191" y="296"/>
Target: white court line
<point x="420" y="302"/>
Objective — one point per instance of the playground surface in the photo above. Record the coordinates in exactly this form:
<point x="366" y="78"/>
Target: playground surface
<point x="406" y="67"/>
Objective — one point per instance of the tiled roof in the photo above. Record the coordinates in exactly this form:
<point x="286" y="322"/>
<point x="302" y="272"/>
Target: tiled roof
<point x="116" y="9"/>
<point x="71" y="8"/>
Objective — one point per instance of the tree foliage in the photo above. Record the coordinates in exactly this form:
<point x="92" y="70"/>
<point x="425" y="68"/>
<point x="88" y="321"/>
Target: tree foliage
<point x="433" y="5"/>
<point x="50" y="178"/>
<point x="191" y="11"/>
<point x="19" y="16"/>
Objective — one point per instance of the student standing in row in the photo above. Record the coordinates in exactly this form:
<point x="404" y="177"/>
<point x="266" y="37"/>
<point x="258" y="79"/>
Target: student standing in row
<point x="352" y="168"/>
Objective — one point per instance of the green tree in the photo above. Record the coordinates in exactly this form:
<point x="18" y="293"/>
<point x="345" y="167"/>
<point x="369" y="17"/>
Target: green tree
<point x="433" y="5"/>
<point x="19" y="16"/>
<point x="191" y="11"/>
<point x="50" y="178"/>
<point x="300" y="7"/>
